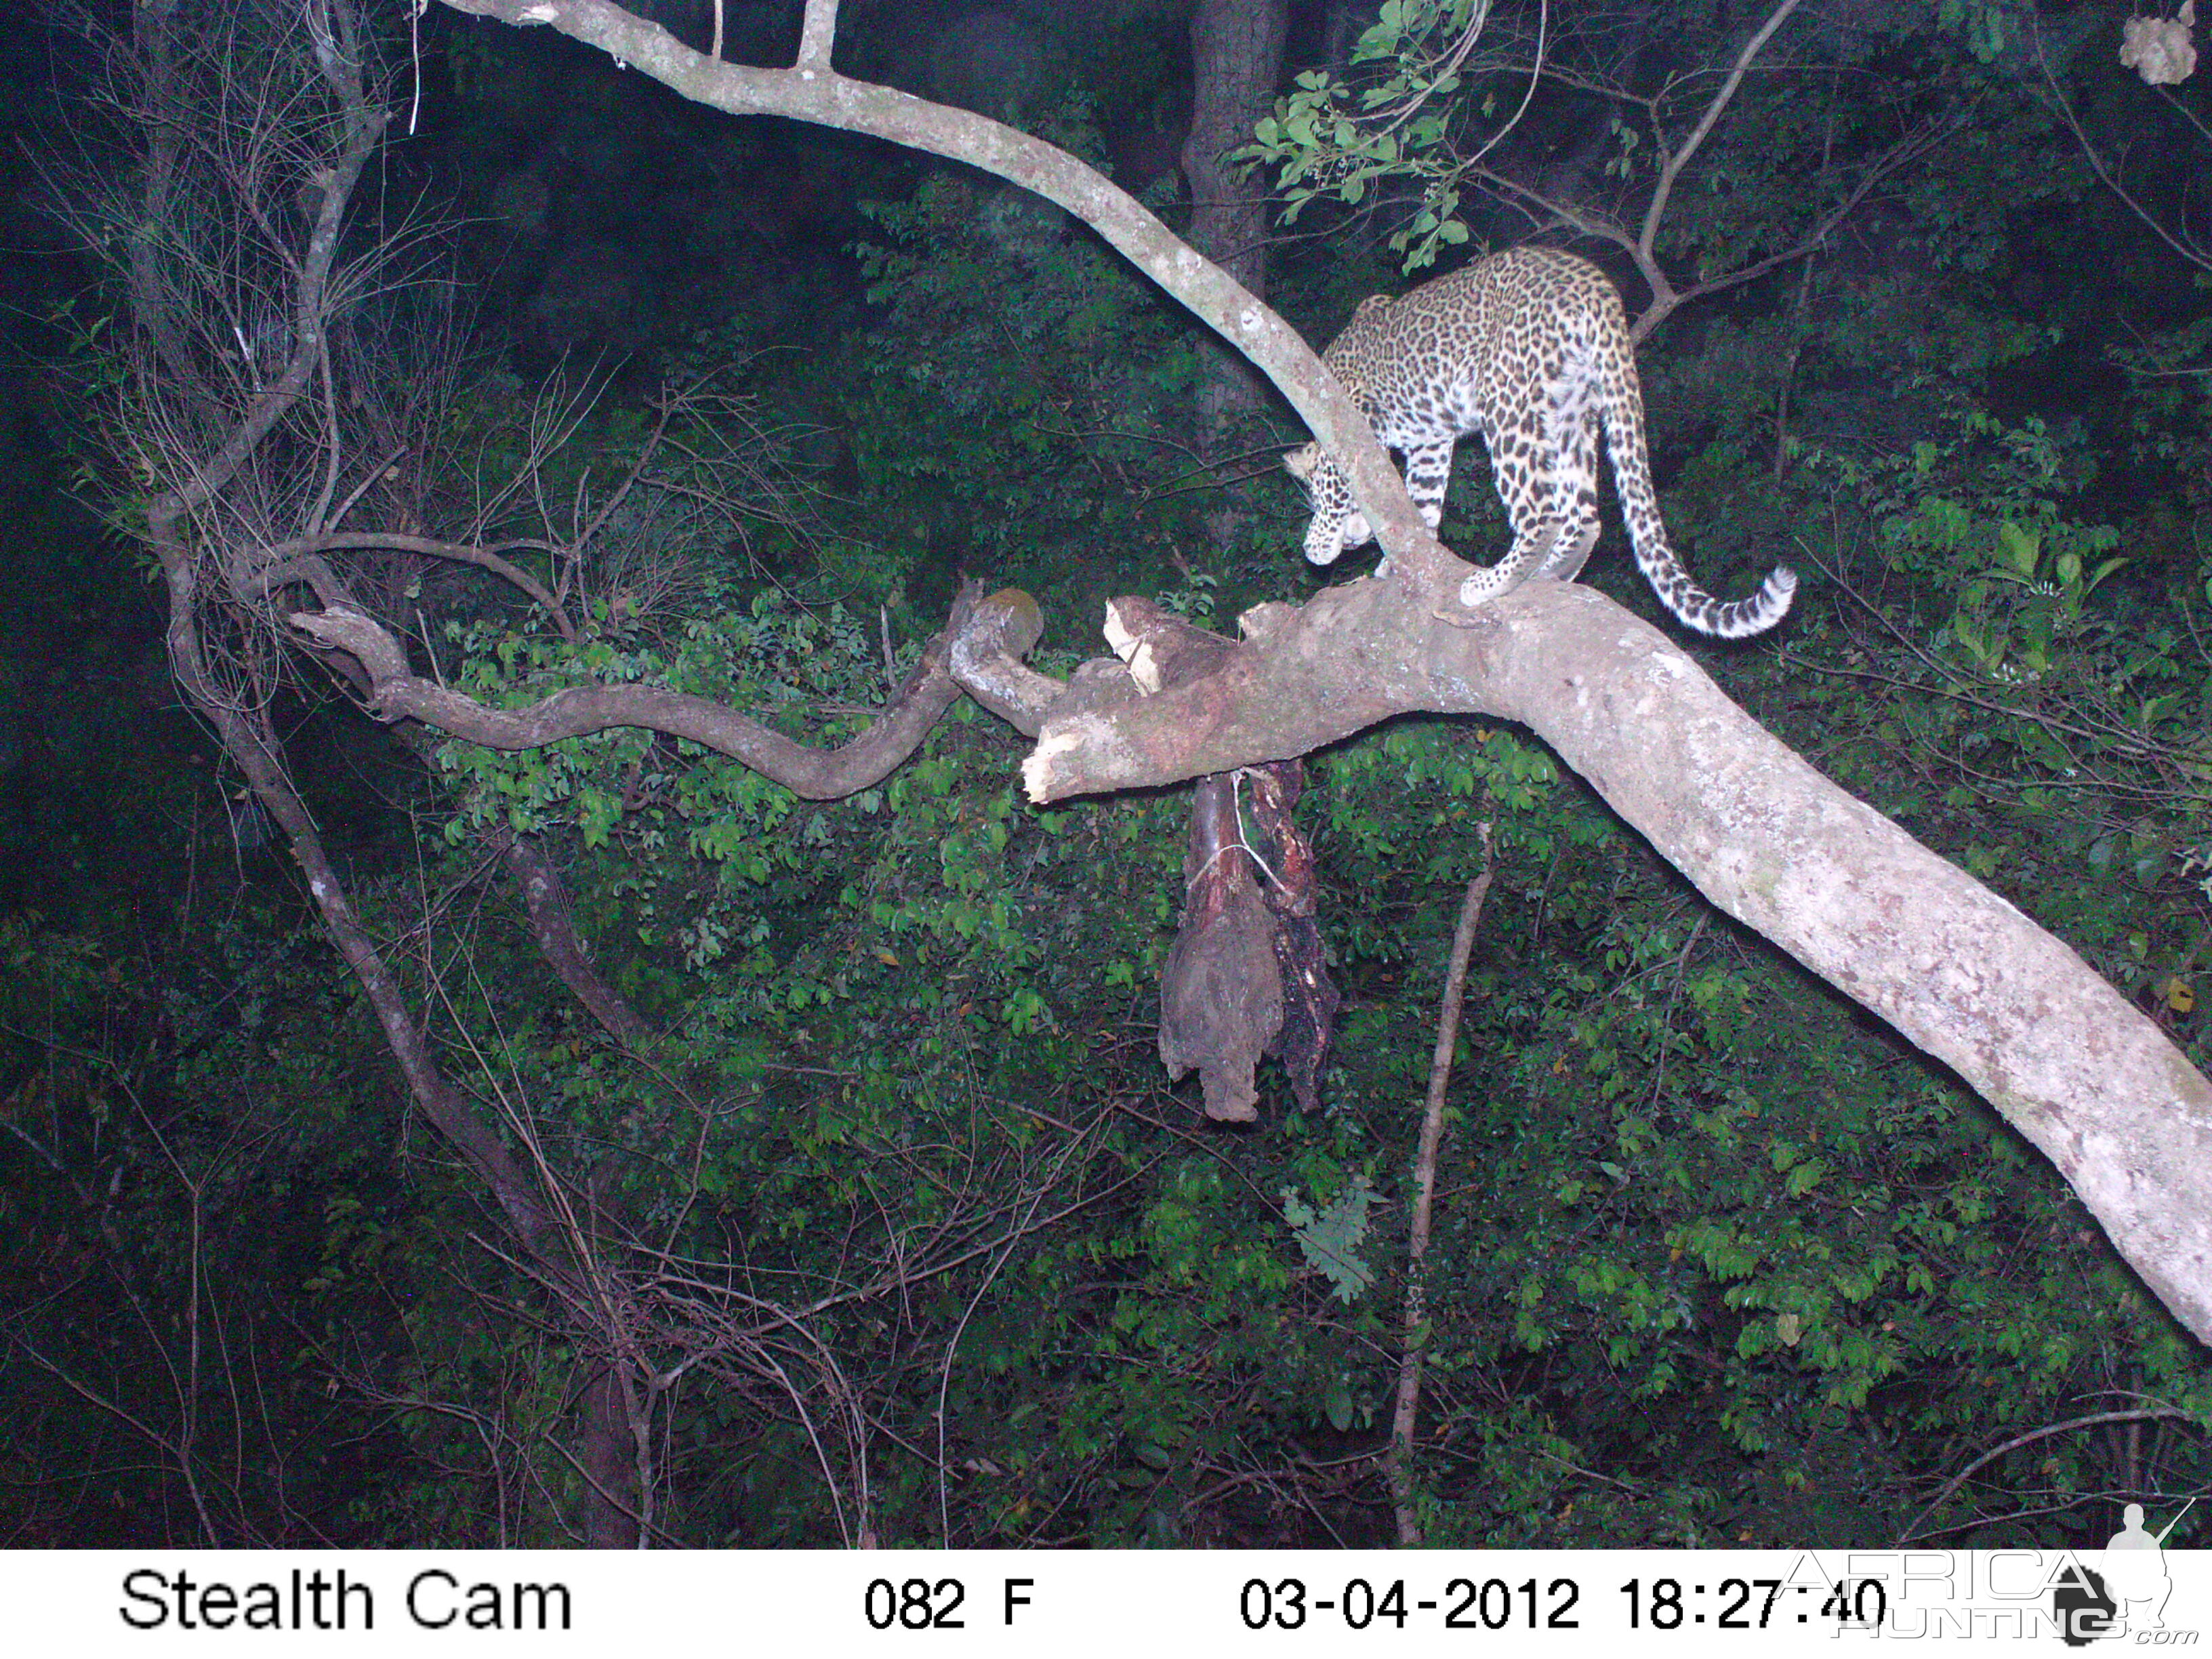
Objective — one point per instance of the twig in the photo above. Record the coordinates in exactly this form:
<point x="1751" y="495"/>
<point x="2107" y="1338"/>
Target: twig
<point x="1425" y="1187"/>
<point x="2107" y="176"/>
<point x="1672" y="169"/>
<point x="2146" y="1414"/>
<point x="1667" y="1023"/>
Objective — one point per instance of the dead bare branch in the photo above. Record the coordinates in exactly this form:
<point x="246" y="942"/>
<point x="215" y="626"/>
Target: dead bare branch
<point x="397" y="693"/>
<point x="1670" y="169"/>
<point x="1413" y="1335"/>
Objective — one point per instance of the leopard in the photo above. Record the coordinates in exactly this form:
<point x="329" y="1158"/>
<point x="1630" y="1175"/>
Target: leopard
<point x="1529" y="347"/>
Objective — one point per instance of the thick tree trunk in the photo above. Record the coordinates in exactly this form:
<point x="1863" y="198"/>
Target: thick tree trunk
<point x="1004" y="624"/>
<point x="1237" y="57"/>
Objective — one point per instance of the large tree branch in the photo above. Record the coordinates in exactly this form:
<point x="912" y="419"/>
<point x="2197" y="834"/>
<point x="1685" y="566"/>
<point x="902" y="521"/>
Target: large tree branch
<point x="815" y="93"/>
<point x="1956" y="970"/>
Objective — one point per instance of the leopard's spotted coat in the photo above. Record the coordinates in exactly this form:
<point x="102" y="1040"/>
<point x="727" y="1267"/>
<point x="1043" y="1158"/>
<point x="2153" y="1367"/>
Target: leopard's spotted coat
<point x="1529" y="349"/>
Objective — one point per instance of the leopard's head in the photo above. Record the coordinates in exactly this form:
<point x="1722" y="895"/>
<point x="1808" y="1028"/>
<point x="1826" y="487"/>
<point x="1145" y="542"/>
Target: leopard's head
<point x="1336" y="523"/>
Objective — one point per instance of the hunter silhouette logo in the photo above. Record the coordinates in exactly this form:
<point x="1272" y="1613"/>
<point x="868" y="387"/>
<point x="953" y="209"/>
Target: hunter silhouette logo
<point x="2126" y="1594"/>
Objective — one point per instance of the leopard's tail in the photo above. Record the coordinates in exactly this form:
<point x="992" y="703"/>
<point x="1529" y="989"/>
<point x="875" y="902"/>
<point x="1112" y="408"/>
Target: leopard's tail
<point x="1731" y="619"/>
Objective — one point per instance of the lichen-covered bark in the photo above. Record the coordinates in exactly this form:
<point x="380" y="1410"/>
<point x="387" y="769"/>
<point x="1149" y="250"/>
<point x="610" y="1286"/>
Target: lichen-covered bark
<point x="1957" y="970"/>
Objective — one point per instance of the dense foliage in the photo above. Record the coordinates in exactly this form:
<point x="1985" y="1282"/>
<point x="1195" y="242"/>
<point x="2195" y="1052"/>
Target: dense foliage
<point x="907" y="1230"/>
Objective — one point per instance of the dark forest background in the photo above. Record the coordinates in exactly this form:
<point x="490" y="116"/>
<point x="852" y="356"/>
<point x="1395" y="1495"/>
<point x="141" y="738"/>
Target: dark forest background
<point x="884" y="1208"/>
